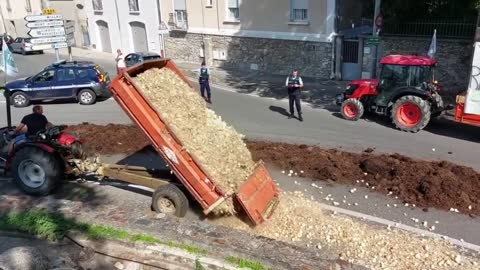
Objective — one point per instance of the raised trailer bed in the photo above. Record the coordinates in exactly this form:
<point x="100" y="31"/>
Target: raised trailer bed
<point x="258" y="196"/>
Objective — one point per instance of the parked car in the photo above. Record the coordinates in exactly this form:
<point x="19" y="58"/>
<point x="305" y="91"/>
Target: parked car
<point x="23" y="45"/>
<point x="138" y="57"/>
<point x="85" y="82"/>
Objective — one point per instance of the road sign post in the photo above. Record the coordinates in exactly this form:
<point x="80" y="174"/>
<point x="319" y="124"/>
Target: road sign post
<point x="48" y="31"/>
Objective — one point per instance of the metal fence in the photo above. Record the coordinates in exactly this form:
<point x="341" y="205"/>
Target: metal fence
<point x="464" y="29"/>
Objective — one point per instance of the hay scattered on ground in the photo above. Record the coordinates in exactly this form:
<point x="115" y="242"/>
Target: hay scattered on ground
<point x="217" y="146"/>
<point x="300" y="220"/>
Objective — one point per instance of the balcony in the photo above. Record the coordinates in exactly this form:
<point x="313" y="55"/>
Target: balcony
<point x="178" y="21"/>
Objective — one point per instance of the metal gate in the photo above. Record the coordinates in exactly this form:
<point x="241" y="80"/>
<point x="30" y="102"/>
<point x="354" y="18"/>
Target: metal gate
<point x="139" y="37"/>
<point x="351" y="69"/>
<point x="104" y="34"/>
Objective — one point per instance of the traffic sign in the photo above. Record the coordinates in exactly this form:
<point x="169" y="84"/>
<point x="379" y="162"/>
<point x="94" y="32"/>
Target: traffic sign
<point x="69" y="30"/>
<point x="48" y="40"/>
<point x="50" y="46"/>
<point x="69" y="24"/>
<point x="47" y="32"/>
<point x="373" y="41"/>
<point x="44" y="24"/>
<point x="49" y="11"/>
<point x="33" y="18"/>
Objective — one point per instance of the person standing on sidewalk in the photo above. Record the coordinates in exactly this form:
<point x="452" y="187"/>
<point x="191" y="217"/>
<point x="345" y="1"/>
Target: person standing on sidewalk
<point x="120" y="59"/>
<point x="294" y="83"/>
<point x="204" y="81"/>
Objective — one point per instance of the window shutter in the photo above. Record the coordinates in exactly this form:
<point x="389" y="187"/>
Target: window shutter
<point x="299" y="4"/>
<point x="179" y="5"/>
<point x="233" y="3"/>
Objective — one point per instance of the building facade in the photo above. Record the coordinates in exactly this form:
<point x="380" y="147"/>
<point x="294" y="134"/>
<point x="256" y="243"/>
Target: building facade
<point x="14" y="12"/>
<point x="273" y="36"/>
<point x="74" y="11"/>
<point x="131" y="25"/>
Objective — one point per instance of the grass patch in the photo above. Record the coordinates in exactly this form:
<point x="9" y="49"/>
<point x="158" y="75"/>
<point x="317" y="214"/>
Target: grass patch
<point x="53" y="226"/>
<point x="242" y="263"/>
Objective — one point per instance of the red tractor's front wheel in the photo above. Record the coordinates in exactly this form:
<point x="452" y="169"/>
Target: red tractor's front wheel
<point x="352" y="109"/>
<point x="411" y="113"/>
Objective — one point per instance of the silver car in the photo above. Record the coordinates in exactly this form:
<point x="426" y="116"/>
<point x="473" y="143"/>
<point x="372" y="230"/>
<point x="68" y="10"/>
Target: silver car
<point x="23" y="46"/>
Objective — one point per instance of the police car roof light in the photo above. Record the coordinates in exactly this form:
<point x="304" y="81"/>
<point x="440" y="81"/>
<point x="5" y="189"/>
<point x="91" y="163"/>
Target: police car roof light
<point x="59" y="62"/>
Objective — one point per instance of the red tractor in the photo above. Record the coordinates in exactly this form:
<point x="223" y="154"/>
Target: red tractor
<point x="41" y="162"/>
<point x="407" y="92"/>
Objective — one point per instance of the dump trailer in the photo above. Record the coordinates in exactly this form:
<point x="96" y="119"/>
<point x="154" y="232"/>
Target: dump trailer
<point x="41" y="163"/>
<point x="258" y="196"/>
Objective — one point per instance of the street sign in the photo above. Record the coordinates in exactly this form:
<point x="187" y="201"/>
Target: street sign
<point x="373" y="41"/>
<point x="50" y="46"/>
<point x="49" y="11"/>
<point x="69" y="24"/>
<point x="69" y="30"/>
<point x="44" y="24"/>
<point x="48" y="40"/>
<point x="47" y="32"/>
<point x="33" y="18"/>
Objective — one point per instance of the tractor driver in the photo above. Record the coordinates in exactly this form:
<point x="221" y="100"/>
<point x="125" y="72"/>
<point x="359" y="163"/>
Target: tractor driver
<point x="30" y="125"/>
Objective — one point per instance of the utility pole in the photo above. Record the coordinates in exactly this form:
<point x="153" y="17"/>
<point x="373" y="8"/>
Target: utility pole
<point x="376" y="16"/>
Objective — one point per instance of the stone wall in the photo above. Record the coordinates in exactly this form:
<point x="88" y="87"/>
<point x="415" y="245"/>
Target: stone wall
<point x="272" y="56"/>
<point x="454" y="59"/>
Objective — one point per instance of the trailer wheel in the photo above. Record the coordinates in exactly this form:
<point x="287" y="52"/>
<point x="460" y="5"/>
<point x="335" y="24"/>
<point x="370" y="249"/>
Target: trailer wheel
<point x="411" y="113"/>
<point x="36" y="172"/>
<point x="352" y="109"/>
<point x="169" y="199"/>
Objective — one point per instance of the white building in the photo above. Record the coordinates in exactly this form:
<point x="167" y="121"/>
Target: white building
<point x="132" y="26"/>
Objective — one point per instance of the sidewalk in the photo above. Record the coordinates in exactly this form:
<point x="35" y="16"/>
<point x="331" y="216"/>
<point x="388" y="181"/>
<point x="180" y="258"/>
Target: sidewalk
<point x="110" y="206"/>
<point x="319" y="93"/>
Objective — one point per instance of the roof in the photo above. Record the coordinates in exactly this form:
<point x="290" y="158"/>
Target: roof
<point x="64" y="63"/>
<point x="146" y="53"/>
<point x="408" y="60"/>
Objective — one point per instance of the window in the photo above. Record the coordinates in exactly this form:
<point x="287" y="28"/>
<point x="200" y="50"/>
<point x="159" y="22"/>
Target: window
<point x="28" y="6"/>
<point x="133" y="5"/>
<point x="233" y="10"/>
<point x="299" y="11"/>
<point x="97" y="5"/>
<point x="46" y="76"/>
<point x="65" y="75"/>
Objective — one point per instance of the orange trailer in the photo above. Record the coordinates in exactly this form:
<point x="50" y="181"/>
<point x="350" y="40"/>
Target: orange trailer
<point x="257" y="197"/>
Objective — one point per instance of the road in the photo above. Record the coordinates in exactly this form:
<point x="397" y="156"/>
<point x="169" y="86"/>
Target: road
<point x="263" y="118"/>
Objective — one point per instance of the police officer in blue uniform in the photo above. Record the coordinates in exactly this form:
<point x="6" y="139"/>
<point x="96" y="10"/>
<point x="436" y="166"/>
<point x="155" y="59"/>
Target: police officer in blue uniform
<point x="294" y="84"/>
<point x="204" y="82"/>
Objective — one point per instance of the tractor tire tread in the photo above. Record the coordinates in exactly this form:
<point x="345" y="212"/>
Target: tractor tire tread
<point x="174" y="194"/>
<point x="424" y="106"/>
<point x="358" y="104"/>
<point x="50" y="164"/>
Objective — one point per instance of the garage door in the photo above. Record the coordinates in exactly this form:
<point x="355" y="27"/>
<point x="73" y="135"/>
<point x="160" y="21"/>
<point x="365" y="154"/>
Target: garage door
<point x="104" y="33"/>
<point x="139" y="36"/>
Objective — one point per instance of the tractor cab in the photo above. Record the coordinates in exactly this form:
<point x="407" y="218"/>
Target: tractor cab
<point x="401" y="73"/>
<point x="406" y="91"/>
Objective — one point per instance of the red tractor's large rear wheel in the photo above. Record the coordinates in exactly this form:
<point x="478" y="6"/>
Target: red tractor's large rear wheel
<point x="352" y="109"/>
<point x="411" y="113"/>
<point x="35" y="171"/>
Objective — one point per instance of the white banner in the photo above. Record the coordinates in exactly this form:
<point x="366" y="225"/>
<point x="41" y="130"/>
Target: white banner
<point x="472" y="102"/>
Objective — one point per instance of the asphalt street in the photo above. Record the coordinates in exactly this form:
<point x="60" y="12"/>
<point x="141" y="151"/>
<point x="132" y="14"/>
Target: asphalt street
<point x="264" y="118"/>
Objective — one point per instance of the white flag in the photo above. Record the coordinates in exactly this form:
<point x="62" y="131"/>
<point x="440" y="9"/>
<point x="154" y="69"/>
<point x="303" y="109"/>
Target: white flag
<point x="433" y="46"/>
<point x="7" y="62"/>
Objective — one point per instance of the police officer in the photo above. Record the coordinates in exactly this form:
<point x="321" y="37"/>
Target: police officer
<point x="294" y="84"/>
<point x="204" y="82"/>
